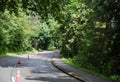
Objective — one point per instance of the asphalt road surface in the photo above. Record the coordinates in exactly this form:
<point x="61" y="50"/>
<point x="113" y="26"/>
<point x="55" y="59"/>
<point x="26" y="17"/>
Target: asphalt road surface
<point x="33" y="68"/>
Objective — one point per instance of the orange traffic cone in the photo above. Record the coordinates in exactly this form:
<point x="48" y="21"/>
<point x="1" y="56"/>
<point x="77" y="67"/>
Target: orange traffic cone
<point x="18" y="76"/>
<point x="19" y="62"/>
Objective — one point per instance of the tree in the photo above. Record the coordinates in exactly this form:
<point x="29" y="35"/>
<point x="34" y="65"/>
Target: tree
<point x="75" y="20"/>
<point x="16" y="32"/>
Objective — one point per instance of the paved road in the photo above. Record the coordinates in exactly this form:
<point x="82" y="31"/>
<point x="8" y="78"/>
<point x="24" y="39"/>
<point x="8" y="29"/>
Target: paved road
<point x="36" y="69"/>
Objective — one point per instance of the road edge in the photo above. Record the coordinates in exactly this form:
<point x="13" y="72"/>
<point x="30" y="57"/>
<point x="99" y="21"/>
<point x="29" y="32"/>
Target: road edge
<point x="68" y="72"/>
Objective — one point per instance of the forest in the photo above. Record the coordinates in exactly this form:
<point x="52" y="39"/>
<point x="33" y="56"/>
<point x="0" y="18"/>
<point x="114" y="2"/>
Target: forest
<point x="85" y="31"/>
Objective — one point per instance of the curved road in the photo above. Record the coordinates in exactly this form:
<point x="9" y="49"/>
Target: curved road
<point x="37" y="68"/>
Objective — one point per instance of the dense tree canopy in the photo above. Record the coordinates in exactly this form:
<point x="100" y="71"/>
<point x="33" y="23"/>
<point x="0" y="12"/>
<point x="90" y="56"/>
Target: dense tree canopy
<point x="87" y="31"/>
<point x="43" y="8"/>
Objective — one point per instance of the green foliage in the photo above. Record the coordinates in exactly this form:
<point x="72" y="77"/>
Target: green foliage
<point x="72" y="29"/>
<point x="48" y="35"/>
<point x="43" y="8"/>
<point x="3" y="40"/>
<point x="44" y="36"/>
<point x="54" y="32"/>
<point x="106" y="54"/>
<point x="87" y="31"/>
<point x="15" y="32"/>
<point x="115" y="78"/>
<point x="90" y="34"/>
<point x="11" y="5"/>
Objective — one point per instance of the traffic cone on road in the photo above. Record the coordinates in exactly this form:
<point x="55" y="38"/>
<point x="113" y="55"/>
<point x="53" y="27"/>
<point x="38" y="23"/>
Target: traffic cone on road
<point x="19" y="62"/>
<point x="18" y="76"/>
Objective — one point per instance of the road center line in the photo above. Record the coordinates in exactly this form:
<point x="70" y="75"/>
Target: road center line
<point x="13" y="79"/>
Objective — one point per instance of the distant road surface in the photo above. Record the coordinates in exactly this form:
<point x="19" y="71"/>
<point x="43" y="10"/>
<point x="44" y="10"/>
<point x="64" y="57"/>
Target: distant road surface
<point x="33" y="68"/>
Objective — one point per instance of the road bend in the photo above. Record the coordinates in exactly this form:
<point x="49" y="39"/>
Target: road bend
<point x="35" y="67"/>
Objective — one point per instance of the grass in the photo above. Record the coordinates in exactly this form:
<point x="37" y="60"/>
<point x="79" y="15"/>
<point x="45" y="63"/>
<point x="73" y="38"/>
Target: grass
<point x="16" y="53"/>
<point x="69" y="61"/>
<point x="10" y="54"/>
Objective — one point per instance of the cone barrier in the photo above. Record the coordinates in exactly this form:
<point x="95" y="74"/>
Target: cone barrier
<point x="18" y="76"/>
<point x="19" y="62"/>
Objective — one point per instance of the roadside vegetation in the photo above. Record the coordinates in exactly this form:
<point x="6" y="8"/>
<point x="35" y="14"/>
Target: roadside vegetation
<point x="85" y="31"/>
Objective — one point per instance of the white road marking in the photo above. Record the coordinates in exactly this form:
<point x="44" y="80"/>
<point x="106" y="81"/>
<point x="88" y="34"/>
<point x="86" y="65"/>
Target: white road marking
<point x="13" y="79"/>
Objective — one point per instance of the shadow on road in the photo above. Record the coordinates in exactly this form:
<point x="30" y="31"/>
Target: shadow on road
<point x="50" y="79"/>
<point x="11" y="61"/>
<point x="40" y="66"/>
